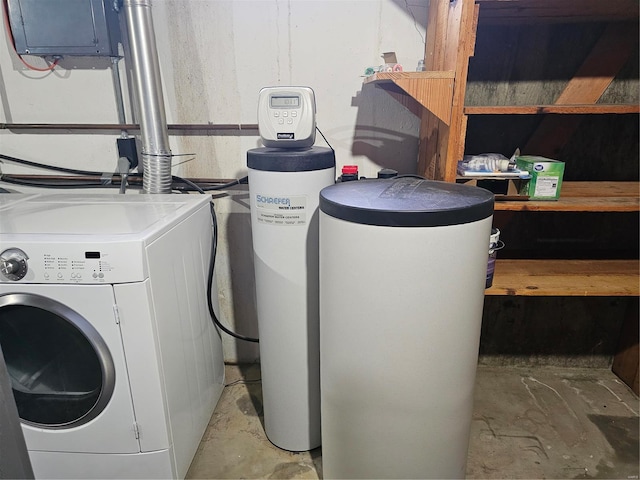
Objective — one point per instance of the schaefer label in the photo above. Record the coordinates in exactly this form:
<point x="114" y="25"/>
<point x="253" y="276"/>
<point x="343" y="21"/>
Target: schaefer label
<point x="281" y="210"/>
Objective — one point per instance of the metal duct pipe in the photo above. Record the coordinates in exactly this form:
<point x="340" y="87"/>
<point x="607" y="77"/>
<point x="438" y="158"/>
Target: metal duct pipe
<point x="156" y="154"/>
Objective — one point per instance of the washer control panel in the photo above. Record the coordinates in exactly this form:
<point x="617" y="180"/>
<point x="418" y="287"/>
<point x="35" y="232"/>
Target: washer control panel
<point x="72" y="263"/>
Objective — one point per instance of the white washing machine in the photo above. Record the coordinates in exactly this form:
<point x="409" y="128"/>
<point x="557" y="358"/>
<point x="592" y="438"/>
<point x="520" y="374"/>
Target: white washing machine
<point x="115" y="364"/>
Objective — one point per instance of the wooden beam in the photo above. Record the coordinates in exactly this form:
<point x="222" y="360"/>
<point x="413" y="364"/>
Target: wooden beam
<point x="591" y="80"/>
<point x="432" y="129"/>
<point x="450" y="43"/>
<point x="465" y="30"/>
<point x="602" y="65"/>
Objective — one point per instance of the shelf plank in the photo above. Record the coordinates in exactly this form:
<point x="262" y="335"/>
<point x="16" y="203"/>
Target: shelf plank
<point x="583" y="197"/>
<point x="582" y="109"/>
<point x="605" y="278"/>
<point x="601" y="189"/>
<point x="612" y="204"/>
<point x="433" y="90"/>
<point x="530" y="11"/>
<point x="395" y="76"/>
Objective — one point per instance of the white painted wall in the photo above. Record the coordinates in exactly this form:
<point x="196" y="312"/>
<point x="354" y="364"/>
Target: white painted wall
<point x="215" y="55"/>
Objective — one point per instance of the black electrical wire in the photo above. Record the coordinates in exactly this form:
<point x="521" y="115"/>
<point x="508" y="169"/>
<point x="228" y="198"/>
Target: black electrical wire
<point x="224" y="186"/>
<point x="53" y="184"/>
<point x="203" y="189"/>
<point x="325" y="139"/>
<point x="192" y="185"/>
<point x="212" y="264"/>
<point x="48" y="167"/>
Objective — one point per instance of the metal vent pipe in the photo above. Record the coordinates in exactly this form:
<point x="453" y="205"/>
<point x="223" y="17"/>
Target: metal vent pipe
<point x="156" y="153"/>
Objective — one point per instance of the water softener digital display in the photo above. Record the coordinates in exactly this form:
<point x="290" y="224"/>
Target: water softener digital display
<point x="287" y="117"/>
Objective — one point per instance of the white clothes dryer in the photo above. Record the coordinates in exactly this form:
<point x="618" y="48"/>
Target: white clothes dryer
<point x="115" y="364"/>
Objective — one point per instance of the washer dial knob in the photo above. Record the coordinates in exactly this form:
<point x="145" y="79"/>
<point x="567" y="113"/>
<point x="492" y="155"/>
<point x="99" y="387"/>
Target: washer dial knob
<point x="13" y="264"/>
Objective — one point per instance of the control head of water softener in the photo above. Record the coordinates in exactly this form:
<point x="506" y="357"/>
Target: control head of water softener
<point x="287" y="117"/>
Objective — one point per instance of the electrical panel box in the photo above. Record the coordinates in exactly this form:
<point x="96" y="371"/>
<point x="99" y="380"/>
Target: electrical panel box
<point x="65" y="27"/>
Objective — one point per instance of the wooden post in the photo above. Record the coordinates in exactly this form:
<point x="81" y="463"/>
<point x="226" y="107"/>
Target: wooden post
<point x="451" y="31"/>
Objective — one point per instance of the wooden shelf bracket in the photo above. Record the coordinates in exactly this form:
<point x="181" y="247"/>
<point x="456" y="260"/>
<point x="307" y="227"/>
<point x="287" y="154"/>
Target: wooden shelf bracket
<point x="432" y="90"/>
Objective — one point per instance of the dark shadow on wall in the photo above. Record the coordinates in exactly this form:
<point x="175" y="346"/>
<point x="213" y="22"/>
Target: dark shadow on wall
<point x="237" y="234"/>
<point x="386" y="131"/>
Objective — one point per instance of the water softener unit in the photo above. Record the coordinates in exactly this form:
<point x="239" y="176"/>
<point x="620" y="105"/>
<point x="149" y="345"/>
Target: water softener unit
<point x="284" y="185"/>
<point x="402" y="276"/>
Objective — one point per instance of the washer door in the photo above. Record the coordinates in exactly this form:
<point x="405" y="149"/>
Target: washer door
<point x="61" y="371"/>
<point x="63" y="348"/>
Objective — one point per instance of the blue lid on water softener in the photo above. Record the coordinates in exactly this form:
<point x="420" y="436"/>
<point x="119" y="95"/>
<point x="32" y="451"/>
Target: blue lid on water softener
<point x="406" y="202"/>
<point x="290" y="160"/>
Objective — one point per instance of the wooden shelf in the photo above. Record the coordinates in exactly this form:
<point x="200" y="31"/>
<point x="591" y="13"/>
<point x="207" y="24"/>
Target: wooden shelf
<point x="584" y="197"/>
<point x="433" y="90"/>
<point x="611" y="26"/>
<point x="605" y="278"/>
<point x="597" y="108"/>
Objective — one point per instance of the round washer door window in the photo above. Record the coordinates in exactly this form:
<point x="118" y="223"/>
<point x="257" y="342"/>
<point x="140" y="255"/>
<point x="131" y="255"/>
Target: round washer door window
<point x="61" y="372"/>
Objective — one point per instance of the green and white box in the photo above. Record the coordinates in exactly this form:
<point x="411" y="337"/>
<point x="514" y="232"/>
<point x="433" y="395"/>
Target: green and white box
<point x="546" y="177"/>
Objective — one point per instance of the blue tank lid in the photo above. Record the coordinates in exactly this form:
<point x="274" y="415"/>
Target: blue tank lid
<point x="406" y="202"/>
<point x="290" y="160"/>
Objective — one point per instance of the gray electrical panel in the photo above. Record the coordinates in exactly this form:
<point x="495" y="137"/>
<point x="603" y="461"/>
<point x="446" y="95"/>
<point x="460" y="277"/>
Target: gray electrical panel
<point x="65" y="27"/>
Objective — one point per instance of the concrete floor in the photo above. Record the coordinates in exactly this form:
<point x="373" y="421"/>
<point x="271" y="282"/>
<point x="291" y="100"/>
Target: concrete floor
<point x="545" y="422"/>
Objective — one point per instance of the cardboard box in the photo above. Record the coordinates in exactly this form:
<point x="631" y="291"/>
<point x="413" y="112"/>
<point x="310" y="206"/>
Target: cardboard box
<point x="546" y="177"/>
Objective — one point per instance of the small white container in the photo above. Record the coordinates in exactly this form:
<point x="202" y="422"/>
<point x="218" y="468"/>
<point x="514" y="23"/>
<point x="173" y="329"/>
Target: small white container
<point x="495" y="244"/>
